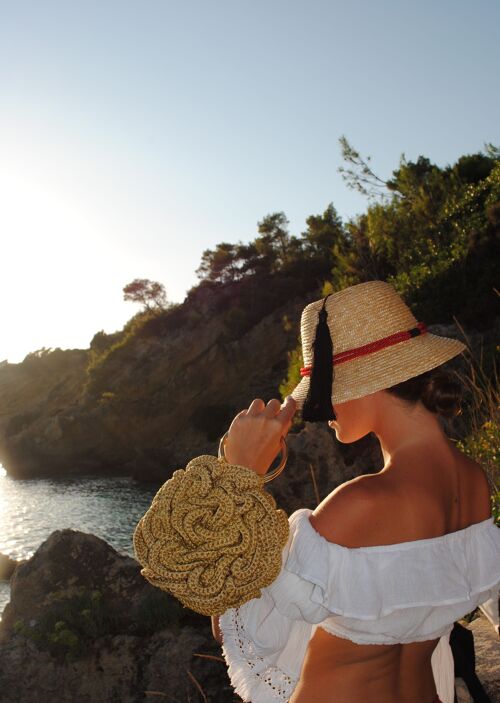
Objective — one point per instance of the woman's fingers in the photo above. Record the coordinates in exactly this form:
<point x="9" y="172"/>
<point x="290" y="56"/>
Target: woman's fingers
<point x="284" y="412"/>
<point x="254" y="435"/>
<point x="272" y="408"/>
<point x="287" y="412"/>
<point x="256" y="407"/>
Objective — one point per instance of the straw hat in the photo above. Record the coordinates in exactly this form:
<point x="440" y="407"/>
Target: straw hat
<point x="377" y="342"/>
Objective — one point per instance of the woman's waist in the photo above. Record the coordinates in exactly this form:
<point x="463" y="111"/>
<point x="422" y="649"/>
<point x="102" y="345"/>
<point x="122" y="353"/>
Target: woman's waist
<point x="392" y="673"/>
<point x="335" y="652"/>
<point x="365" y="682"/>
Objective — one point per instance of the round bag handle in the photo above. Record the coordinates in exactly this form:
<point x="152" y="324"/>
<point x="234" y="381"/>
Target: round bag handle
<point x="267" y="477"/>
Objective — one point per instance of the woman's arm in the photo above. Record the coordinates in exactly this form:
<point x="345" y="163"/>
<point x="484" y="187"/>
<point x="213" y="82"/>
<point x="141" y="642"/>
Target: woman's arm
<point x="253" y="441"/>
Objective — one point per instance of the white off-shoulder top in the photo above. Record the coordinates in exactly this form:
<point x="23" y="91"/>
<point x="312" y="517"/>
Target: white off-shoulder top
<point x="387" y="594"/>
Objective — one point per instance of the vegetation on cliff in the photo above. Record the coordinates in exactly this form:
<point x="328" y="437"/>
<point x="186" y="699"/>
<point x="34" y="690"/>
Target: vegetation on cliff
<point x="166" y="385"/>
<point x="432" y="232"/>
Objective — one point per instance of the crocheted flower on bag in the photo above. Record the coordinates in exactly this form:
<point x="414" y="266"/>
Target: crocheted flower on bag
<point x="212" y="536"/>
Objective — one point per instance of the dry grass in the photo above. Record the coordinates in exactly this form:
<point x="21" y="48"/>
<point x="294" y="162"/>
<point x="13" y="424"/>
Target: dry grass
<point x="315" y="485"/>
<point x="209" y="656"/>
<point x="197" y="685"/>
<point x="481" y="424"/>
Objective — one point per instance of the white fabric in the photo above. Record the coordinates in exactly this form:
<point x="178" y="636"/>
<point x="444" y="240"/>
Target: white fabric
<point x="490" y="609"/>
<point x="384" y="594"/>
<point x="443" y="670"/>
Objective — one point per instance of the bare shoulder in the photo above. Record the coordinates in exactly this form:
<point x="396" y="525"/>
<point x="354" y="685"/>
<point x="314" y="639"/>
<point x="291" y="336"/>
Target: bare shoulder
<point x="350" y="515"/>
<point x="477" y="488"/>
<point x="389" y="508"/>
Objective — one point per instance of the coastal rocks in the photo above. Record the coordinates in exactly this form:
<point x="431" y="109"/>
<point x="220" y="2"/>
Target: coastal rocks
<point x="7" y="567"/>
<point x="120" y="669"/>
<point x="33" y="394"/>
<point x="67" y="562"/>
<point x="83" y="626"/>
<point x="148" y="405"/>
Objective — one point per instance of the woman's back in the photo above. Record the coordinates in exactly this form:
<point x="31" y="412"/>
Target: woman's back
<point x="425" y="491"/>
<point x="383" y="567"/>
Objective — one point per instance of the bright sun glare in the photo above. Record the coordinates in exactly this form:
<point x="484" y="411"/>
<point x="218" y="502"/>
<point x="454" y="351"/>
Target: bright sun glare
<point x="49" y="246"/>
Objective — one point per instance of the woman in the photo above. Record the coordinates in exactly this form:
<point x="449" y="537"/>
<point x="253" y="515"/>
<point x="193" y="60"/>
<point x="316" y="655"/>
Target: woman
<point x="379" y="571"/>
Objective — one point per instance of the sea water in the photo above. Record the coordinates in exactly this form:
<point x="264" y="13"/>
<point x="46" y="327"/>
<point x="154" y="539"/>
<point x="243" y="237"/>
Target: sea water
<point x="31" y="509"/>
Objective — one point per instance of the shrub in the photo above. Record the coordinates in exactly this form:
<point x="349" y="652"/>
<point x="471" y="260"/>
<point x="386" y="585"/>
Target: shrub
<point x="68" y="624"/>
<point x="157" y="610"/>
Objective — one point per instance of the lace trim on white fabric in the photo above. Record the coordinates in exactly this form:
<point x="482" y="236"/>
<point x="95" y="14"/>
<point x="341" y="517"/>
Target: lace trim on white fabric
<point x="252" y="677"/>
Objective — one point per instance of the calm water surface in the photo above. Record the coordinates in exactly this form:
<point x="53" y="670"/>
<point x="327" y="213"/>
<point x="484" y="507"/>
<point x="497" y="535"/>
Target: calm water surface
<point x="30" y="510"/>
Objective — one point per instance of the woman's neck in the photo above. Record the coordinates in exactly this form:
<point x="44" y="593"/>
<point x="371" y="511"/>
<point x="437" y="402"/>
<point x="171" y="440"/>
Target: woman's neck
<point x="398" y="427"/>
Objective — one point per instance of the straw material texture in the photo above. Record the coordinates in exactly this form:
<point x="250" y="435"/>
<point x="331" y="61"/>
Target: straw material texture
<point x="362" y="314"/>
<point x="212" y="536"/>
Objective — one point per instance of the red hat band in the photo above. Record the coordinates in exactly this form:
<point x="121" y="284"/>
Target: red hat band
<point x="350" y="354"/>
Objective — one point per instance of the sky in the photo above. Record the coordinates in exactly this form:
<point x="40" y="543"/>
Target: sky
<point x="135" y="135"/>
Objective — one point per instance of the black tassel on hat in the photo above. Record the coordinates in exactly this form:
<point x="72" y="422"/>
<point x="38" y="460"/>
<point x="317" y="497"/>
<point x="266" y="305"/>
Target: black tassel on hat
<point x="318" y="403"/>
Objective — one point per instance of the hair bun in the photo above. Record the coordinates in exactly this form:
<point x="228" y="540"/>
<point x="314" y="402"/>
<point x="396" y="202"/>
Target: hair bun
<point x="442" y="393"/>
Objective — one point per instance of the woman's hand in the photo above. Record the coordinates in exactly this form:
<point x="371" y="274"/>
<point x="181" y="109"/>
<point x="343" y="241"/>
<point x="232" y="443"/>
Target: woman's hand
<point x="254" y="437"/>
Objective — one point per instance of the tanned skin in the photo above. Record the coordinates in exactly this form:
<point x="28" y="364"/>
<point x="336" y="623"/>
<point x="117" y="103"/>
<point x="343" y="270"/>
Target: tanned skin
<point x="427" y="488"/>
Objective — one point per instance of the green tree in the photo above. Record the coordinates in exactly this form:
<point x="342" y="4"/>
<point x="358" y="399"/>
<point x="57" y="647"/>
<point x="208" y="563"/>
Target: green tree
<point x="219" y="264"/>
<point x="274" y="240"/>
<point x="323" y="233"/>
<point x="151" y="294"/>
<point x="230" y="262"/>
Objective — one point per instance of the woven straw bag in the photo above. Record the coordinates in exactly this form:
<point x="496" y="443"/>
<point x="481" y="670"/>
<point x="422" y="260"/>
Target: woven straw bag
<point x="212" y="536"/>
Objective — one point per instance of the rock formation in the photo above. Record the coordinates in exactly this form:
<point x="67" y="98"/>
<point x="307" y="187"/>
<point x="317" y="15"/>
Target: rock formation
<point x="7" y="567"/>
<point x="83" y="626"/>
<point x="150" y="404"/>
<point x="154" y="398"/>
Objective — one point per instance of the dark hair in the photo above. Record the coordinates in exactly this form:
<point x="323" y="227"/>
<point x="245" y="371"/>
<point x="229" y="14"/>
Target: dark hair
<point x="438" y="389"/>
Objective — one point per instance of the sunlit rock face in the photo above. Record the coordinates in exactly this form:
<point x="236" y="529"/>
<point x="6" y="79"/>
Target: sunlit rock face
<point x="34" y="395"/>
<point x="7" y="567"/>
<point x="84" y="625"/>
<point x="152" y="403"/>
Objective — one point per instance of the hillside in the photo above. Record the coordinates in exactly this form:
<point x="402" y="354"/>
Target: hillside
<point x="145" y="399"/>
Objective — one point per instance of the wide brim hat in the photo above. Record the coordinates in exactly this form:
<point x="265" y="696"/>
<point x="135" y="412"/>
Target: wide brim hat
<point x="377" y="342"/>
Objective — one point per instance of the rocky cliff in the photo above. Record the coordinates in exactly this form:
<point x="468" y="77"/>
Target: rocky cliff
<point x="150" y="403"/>
<point x="143" y="401"/>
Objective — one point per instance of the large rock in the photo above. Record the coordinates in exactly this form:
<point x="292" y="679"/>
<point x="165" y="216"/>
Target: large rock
<point x="318" y="463"/>
<point x="7" y="567"/>
<point x="83" y="626"/>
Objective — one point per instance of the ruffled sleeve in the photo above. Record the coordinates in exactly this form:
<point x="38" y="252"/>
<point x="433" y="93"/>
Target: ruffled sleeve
<point x="384" y="594"/>
<point x="264" y="640"/>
